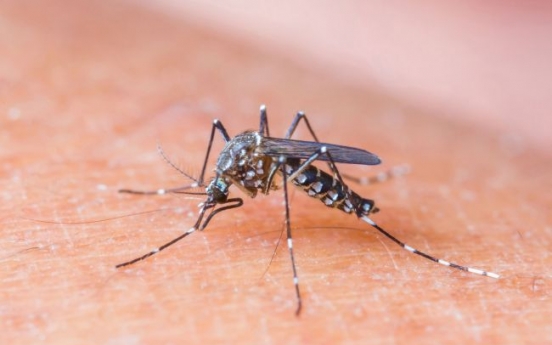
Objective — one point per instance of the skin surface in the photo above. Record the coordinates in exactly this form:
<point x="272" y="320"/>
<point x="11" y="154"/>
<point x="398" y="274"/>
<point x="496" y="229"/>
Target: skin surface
<point x="87" y="92"/>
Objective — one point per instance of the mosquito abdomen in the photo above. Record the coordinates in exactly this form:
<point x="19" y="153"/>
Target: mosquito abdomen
<point x="323" y="186"/>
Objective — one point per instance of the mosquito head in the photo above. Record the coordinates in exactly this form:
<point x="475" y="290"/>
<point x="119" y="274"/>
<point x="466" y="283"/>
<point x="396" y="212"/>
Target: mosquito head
<point x="217" y="190"/>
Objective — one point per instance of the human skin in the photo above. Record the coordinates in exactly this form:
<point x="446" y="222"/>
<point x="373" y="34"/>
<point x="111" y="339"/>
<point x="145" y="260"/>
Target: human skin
<point x="89" y="90"/>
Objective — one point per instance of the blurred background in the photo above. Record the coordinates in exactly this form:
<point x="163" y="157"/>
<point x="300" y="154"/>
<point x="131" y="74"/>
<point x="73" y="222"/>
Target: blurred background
<point x="482" y="62"/>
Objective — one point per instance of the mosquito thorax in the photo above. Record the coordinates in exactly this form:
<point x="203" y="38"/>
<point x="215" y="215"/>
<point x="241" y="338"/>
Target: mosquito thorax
<point x="238" y="152"/>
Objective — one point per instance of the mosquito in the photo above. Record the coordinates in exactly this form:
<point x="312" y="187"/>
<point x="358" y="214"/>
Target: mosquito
<point x="252" y="159"/>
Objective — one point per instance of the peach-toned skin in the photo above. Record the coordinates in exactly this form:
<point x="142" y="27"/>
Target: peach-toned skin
<point x="87" y="92"/>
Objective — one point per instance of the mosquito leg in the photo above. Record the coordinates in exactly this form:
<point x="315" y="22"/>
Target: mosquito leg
<point x="427" y="256"/>
<point x="232" y="203"/>
<point x="282" y="161"/>
<point x="298" y="117"/>
<point x="263" y="127"/>
<point x="157" y="250"/>
<point x="170" y="243"/>
<point x="218" y="126"/>
<point x="323" y="150"/>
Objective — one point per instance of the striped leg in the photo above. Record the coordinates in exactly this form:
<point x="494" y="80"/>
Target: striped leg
<point x="281" y="163"/>
<point x="173" y="241"/>
<point x="230" y="203"/>
<point x="298" y="117"/>
<point x="157" y="250"/>
<point x="427" y="256"/>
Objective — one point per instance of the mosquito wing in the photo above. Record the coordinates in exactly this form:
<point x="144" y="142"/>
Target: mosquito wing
<point x="304" y="149"/>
